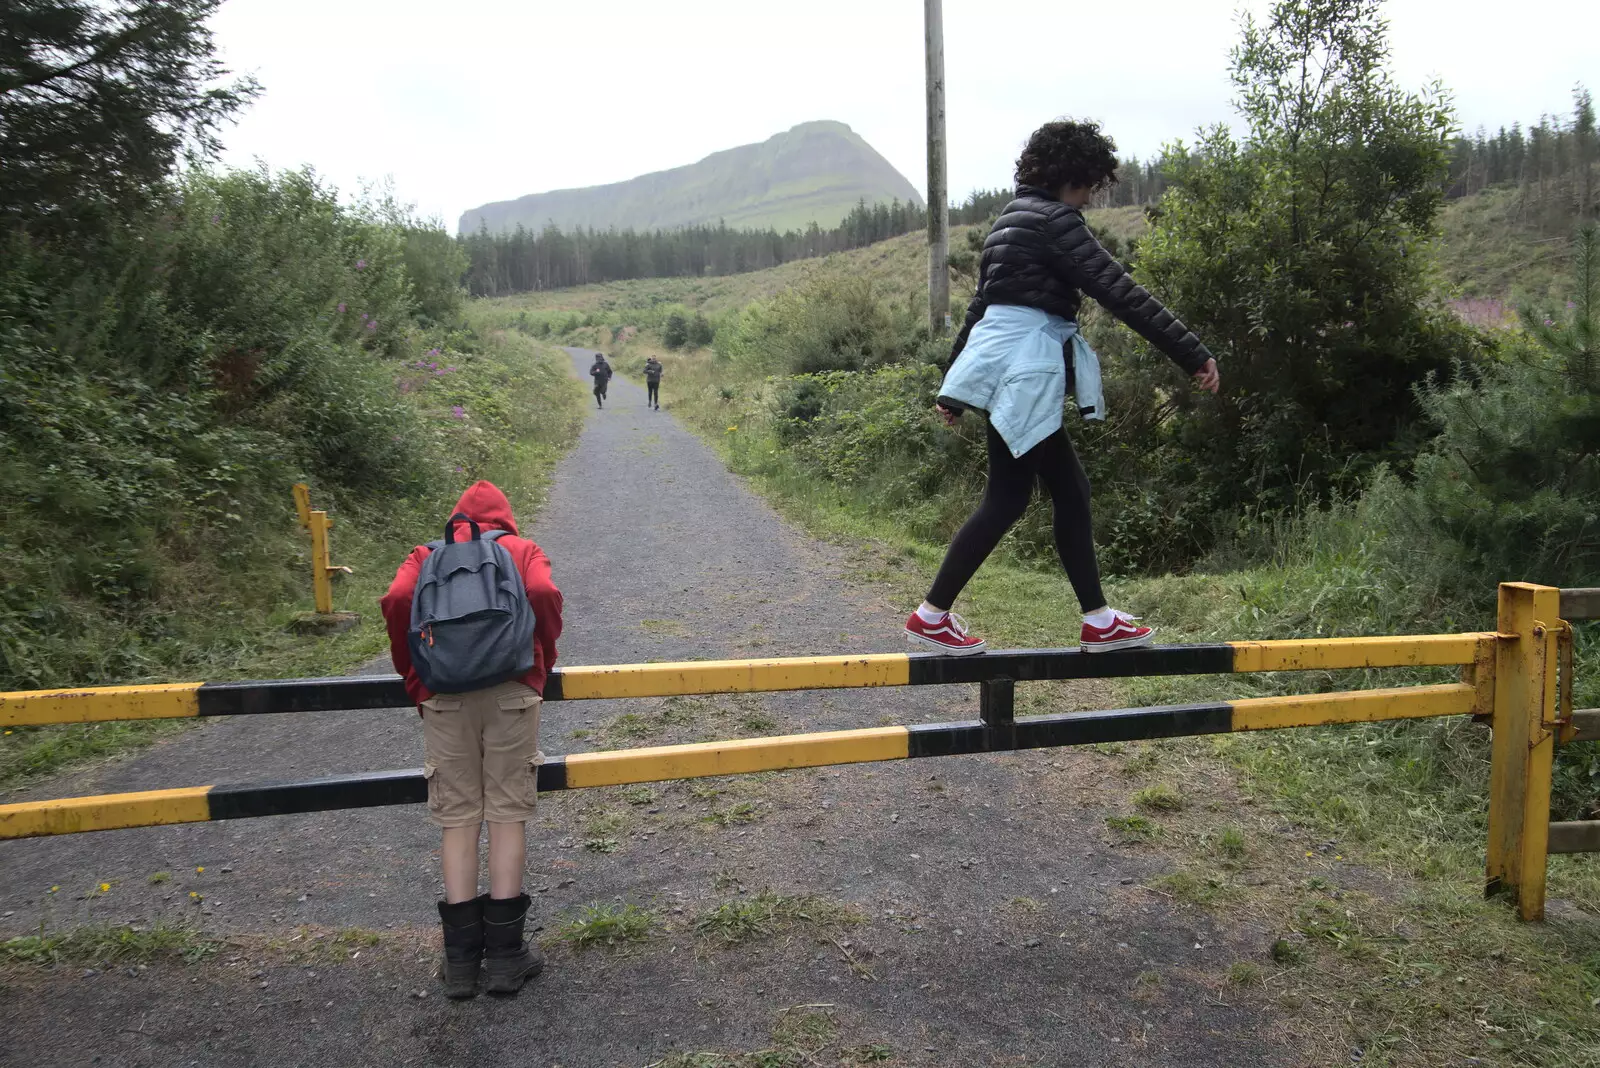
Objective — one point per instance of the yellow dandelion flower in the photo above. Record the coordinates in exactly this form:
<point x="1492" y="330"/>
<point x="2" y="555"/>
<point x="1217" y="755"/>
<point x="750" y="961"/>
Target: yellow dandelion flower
<point x="193" y="894"/>
<point x="731" y="429"/>
<point x="53" y="889"/>
<point x="8" y="732"/>
<point x="104" y="887"/>
<point x="1308" y="852"/>
<point x="201" y="868"/>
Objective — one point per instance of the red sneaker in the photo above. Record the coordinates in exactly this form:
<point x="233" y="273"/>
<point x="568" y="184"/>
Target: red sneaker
<point x="1123" y="633"/>
<point x="949" y="635"/>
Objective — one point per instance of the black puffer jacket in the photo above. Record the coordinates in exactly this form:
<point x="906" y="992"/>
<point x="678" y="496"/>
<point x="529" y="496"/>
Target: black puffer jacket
<point x="1041" y="254"/>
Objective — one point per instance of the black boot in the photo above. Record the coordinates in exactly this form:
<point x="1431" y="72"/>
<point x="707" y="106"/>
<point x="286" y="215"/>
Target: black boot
<point x="463" y="946"/>
<point x="507" y="959"/>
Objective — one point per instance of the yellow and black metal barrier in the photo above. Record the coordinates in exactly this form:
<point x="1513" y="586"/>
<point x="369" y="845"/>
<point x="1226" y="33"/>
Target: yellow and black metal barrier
<point x="1507" y="677"/>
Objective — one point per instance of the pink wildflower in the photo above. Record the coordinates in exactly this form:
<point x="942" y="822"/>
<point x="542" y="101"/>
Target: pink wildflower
<point x="459" y="412"/>
<point x="341" y="307"/>
<point x="361" y="265"/>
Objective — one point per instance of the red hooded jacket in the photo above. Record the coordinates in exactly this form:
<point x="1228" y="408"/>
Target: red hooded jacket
<point x="487" y="506"/>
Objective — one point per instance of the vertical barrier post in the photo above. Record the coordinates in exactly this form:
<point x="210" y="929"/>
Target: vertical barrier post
<point x="1523" y="750"/>
<point x="997" y="706"/>
<point x="321" y="581"/>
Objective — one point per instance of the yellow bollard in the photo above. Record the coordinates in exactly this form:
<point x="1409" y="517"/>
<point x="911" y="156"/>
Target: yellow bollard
<point x="321" y="581"/>
<point x="1523" y="751"/>
<point x="322" y="566"/>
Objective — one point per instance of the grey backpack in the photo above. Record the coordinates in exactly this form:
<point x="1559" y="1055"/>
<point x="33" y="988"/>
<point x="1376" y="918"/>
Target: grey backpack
<point x="471" y="624"/>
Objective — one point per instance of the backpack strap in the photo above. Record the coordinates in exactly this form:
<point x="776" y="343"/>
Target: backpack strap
<point x="450" y="528"/>
<point x="488" y="535"/>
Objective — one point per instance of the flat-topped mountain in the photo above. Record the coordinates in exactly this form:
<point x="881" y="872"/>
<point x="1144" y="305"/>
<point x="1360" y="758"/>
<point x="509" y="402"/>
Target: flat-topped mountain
<point x="815" y="172"/>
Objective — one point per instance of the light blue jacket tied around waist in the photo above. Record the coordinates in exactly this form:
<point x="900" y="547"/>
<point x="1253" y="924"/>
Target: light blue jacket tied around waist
<point x="1012" y="368"/>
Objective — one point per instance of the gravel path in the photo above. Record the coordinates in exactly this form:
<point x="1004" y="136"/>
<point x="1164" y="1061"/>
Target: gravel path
<point x="999" y="923"/>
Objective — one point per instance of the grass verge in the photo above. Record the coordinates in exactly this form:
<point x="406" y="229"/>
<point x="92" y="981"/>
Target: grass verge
<point x="109" y="945"/>
<point x="767" y="914"/>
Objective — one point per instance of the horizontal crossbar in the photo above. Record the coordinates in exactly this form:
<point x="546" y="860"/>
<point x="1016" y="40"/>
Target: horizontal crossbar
<point x="1576" y="836"/>
<point x="670" y="762"/>
<point x="176" y="700"/>
<point x="1580" y="603"/>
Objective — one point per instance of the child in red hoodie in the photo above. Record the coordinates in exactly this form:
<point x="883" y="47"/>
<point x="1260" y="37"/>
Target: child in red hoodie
<point x="481" y="753"/>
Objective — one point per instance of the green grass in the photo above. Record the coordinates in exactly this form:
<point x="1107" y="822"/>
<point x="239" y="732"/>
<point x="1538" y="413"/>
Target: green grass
<point x="106" y="945"/>
<point x="1488" y="250"/>
<point x="1244" y="973"/>
<point x="1159" y="797"/>
<point x="1190" y="888"/>
<point x="1134" y="828"/>
<point x="736" y="813"/>
<point x="802" y="1036"/>
<point x="768" y="913"/>
<point x="609" y="924"/>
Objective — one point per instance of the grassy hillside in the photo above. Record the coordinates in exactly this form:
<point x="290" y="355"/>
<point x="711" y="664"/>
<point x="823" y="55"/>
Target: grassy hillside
<point x="898" y="268"/>
<point x="1489" y="250"/>
<point x="815" y="172"/>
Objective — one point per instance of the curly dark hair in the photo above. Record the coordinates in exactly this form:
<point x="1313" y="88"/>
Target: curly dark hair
<point x="1065" y="152"/>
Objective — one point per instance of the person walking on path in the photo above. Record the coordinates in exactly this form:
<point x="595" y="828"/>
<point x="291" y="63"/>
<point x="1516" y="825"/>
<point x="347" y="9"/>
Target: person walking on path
<point x="473" y="621"/>
<point x="1009" y="362"/>
<point x="652" y="381"/>
<point x="600" y="371"/>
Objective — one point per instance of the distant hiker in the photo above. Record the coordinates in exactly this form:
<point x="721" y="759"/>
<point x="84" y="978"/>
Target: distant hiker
<point x="600" y="371"/>
<point x="652" y="381"/>
<point x="473" y="621"/>
<point x="1009" y="362"/>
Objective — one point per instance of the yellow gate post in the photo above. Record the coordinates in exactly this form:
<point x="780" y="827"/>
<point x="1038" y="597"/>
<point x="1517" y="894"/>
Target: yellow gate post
<point x="321" y="580"/>
<point x="322" y="567"/>
<point x="1523" y="752"/>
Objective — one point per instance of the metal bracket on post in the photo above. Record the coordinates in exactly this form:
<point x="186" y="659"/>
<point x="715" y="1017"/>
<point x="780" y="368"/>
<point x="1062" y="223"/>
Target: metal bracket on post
<point x="997" y="706"/>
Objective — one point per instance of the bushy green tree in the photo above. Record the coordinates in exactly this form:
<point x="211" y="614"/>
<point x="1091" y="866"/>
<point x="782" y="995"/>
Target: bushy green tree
<point x="1299" y="253"/>
<point x="1511" y="486"/>
<point x="675" y="332"/>
<point x="99" y="100"/>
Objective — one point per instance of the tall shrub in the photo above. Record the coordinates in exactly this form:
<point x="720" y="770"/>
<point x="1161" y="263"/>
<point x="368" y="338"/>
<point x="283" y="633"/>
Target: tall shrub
<point x="1299" y="254"/>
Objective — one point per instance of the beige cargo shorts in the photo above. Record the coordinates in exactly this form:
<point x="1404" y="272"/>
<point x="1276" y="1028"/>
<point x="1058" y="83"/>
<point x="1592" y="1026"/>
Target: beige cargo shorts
<point x="481" y="755"/>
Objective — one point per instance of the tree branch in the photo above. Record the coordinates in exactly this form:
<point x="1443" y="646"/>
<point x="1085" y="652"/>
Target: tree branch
<point x="110" y="49"/>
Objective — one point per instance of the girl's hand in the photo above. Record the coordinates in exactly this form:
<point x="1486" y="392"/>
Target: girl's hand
<point x="1208" y="378"/>
<point x="949" y="415"/>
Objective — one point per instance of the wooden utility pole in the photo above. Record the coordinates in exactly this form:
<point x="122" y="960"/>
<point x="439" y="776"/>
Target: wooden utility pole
<point x="938" y="198"/>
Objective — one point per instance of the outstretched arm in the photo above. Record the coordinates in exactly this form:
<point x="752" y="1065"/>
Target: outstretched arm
<point x="1084" y="262"/>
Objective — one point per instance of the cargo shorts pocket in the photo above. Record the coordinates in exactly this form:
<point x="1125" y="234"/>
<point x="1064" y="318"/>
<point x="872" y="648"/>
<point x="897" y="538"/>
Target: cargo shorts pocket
<point x="524" y="706"/>
<point x="448" y="805"/>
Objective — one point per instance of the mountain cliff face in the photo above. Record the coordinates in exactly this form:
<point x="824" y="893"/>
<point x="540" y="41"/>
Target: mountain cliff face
<point x="815" y="172"/>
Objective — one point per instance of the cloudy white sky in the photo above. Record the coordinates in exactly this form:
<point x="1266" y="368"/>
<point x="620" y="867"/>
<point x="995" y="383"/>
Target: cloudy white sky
<point x="477" y="100"/>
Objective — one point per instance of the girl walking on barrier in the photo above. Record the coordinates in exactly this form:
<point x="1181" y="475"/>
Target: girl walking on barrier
<point x="1009" y="362"/>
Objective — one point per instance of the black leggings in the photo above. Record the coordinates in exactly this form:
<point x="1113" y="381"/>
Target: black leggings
<point x="653" y="394"/>
<point x="1054" y="463"/>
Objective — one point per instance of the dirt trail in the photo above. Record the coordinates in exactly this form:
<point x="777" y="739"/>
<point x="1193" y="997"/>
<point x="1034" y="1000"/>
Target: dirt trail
<point x="998" y="923"/>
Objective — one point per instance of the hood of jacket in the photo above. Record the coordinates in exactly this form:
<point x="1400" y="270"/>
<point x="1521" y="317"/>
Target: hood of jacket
<point x="487" y="506"/>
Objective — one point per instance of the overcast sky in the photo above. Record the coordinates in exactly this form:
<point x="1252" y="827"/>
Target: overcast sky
<point x="477" y="100"/>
